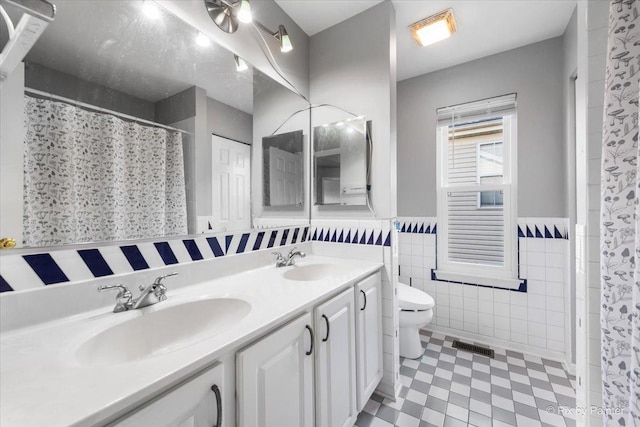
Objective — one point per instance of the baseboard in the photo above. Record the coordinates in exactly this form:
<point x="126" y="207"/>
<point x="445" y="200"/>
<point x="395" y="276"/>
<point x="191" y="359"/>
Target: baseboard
<point x="570" y="367"/>
<point x="509" y="345"/>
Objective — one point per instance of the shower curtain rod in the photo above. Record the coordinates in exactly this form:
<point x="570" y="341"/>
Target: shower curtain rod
<point x="101" y="110"/>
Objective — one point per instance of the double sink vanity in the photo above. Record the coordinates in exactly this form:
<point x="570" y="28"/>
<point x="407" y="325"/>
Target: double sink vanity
<point x="297" y="345"/>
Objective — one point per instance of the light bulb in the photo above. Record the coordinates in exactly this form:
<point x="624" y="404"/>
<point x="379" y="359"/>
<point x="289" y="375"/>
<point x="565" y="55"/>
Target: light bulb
<point x="244" y="14"/>
<point x="285" y="44"/>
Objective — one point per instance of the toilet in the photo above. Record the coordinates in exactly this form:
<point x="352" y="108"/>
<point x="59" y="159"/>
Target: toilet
<point x="415" y="312"/>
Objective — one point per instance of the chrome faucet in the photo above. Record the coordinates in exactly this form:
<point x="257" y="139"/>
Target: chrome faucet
<point x="123" y="299"/>
<point x="281" y="261"/>
<point x="152" y="294"/>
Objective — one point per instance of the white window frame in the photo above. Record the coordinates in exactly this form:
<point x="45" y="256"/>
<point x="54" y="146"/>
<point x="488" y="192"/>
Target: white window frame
<point x="479" y="176"/>
<point x="507" y="275"/>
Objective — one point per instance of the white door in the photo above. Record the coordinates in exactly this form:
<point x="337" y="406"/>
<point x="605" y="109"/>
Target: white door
<point x="231" y="186"/>
<point x="336" y="362"/>
<point x="196" y="403"/>
<point x="275" y="378"/>
<point x="369" y="334"/>
<point x="285" y="178"/>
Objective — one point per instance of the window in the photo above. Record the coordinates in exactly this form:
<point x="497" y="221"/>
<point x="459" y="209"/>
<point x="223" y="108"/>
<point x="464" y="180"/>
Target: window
<point x="490" y="172"/>
<point x="477" y="193"/>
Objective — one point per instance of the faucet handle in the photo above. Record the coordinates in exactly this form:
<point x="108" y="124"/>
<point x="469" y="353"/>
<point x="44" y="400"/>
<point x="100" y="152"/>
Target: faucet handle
<point x="123" y="291"/>
<point x="292" y="251"/>
<point x="123" y="299"/>
<point x="159" y="279"/>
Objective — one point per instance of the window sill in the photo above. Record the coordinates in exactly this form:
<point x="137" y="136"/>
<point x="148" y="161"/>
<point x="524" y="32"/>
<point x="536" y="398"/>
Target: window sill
<point x="472" y="279"/>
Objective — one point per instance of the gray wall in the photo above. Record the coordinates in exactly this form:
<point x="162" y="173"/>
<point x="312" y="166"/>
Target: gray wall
<point x="534" y="72"/>
<point x="58" y="83"/>
<point x="353" y="67"/>
<point x="229" y="122"/>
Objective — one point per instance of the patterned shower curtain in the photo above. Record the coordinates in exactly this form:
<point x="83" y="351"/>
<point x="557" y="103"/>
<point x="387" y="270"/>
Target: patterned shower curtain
<point x="620" y="215"/>
<point x="92" y="177"/>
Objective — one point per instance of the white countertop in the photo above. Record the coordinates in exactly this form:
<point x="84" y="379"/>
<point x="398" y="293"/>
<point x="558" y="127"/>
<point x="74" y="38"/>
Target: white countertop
<point x="42" y="382"/>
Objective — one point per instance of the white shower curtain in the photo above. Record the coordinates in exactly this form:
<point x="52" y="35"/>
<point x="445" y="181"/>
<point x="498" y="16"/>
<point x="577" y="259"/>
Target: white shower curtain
<point x="620" y="215"/>
<point x="91" y="177"/>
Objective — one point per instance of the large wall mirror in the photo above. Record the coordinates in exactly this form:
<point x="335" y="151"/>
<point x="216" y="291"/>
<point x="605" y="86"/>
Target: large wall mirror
<point x="138" y="126"/>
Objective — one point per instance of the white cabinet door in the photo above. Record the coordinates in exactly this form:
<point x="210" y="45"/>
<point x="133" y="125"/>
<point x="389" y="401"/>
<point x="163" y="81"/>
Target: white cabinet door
<point x="369" y="337"/>
<point x="275" y="378"/>
<point x="198" y="402"/>
<point x="336" y="362"/>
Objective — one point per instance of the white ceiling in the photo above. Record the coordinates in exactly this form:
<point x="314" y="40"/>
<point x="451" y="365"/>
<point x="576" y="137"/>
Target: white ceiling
<point x="485" y="27"/>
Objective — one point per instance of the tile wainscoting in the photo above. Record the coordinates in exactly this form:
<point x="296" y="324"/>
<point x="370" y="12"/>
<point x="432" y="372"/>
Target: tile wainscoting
<point x="67" y="265"/>
<point x="535" y="319"/>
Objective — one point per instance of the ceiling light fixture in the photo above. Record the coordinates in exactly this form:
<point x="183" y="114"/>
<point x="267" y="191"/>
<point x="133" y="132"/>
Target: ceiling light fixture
<point x="241" y="64"/>
<point x="434" y="28"/>
<point x="203" y="40"/>
<point x="281" y="35"/>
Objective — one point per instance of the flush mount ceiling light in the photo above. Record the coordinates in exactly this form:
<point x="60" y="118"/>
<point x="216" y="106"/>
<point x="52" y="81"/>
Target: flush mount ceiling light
<point x="281" y="35"/>
<point x="241" y="64"/>
<point x="434" y="28"/>
<point x="226" y="14"/>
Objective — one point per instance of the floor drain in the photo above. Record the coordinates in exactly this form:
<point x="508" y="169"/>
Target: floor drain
<point x="485" y="351"/>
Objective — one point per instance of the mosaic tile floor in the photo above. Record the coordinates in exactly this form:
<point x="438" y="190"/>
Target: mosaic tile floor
<point x="455" y="388"/>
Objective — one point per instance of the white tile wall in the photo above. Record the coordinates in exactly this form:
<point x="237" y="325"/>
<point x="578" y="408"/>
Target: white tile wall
<point x="534" y="320"/>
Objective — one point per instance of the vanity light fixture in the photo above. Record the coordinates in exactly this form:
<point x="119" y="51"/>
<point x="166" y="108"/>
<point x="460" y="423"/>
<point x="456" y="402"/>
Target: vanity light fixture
<point x="434" y="28"/>
<point x="203" y="40"/>
<point x="223" y="14"/>
<point x="281" y="35"/>
<point x="241" y="64"/>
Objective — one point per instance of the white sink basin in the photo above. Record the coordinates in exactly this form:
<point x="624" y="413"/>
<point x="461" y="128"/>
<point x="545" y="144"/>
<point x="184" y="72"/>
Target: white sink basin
<point x="308" y="273"/>
<point x="152" y="333"/>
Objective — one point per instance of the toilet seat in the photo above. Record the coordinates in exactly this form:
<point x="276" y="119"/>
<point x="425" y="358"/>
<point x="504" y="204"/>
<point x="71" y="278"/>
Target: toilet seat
<point x="411" y="299"/>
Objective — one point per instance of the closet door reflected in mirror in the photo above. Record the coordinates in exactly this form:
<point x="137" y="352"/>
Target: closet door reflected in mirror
<point x="340" y="163"/>
<point x="283" y="170"/>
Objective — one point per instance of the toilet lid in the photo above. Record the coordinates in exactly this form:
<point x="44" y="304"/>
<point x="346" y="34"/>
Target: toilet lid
<point x="413" y="299"/>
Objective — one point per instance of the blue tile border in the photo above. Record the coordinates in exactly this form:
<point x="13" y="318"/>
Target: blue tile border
<point x="46" y="268"/>
<point x="95" y="262"/>
<point x="368" y="237"/>
<point x="102" y="263"/>
<point x="4" y="286"/>
<point x="521" y="288"/>
<point x="535" y="231"/>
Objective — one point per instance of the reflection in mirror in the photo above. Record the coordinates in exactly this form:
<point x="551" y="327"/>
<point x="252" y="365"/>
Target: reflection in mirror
<point x="283" y="176"/>
<point x="340" y="162"/>
<point x="139" y="126"/>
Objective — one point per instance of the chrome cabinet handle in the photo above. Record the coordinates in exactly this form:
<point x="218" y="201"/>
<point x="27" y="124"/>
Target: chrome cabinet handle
<point x="364" y="294"/>
<point x="328" y="328"/>
<point x="216" y="391"/>
<point x="308" y="353"/>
